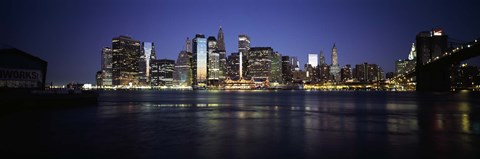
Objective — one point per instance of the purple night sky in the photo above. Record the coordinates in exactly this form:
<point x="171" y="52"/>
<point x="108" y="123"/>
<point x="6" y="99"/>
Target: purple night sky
<point x="70" y="34"/>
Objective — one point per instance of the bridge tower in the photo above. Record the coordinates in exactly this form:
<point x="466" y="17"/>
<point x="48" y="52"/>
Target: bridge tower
<point x="430" y="46"/>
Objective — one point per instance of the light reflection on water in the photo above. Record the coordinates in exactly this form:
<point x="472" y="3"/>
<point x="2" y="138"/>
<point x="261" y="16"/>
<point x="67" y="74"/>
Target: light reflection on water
<point x="263" y="124"/>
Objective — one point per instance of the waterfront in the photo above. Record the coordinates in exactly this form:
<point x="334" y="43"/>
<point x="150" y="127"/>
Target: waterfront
<point x="251" y="124"/>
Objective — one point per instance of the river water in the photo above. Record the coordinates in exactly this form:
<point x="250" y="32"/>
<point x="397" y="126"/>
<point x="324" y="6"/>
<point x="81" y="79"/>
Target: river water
<point x="250" y="124"/>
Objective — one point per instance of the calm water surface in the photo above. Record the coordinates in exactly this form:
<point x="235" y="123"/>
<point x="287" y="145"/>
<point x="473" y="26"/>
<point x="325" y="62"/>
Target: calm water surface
<point x="251" y="124"/>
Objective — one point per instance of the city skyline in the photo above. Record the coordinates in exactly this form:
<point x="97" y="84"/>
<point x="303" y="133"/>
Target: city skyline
<point x="381" y="35"/>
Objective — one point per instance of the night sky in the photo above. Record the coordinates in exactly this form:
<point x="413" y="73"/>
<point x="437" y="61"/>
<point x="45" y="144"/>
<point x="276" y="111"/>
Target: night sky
<point x="70" y="34"/>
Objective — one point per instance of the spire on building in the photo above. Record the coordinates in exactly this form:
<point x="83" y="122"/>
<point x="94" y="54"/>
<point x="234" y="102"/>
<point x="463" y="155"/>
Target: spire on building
<point x="413" y="53"/>
<point x="220" y="38"/>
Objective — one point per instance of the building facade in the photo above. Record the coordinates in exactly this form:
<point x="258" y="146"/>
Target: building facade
<point x="243" y="53"/>
<point x="276" y="68"/>
<point x="213" y="65"/>
<point x="259" y="63"/>
<point x="162" y="72"/>
<point x="126" y="56"/>
<point x="106" y="68"/>
<point x="199" y="61"/>
<point x="335" y="67"/>
<point x="183" y="69"/>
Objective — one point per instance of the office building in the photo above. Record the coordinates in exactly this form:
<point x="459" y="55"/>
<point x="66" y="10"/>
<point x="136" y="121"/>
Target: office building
<point x="183" y="69"/>
<point x="222" y="54"/>
<point x="313" y="60"/>
<point x="366" y="72"/>
<point x="346" y="73"/>
<point x="276" y="68"/>
<point x="335" y="67"/>
<point x="287" y="71"/>
<point x="126" y="56"/>
<point x="199" y="61"/>
<point x="213" y="66"/>
<point x="243" y="50"/>
<point x="162" y="72"/>
<point x="148" y="54"/>
<point x="259" y="63"/>
<point x="106" y="68"/>
<point x="233" y="66"/>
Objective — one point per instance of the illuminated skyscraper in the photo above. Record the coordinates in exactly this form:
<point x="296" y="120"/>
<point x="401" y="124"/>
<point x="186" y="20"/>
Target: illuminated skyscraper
<point x="313" y="60"/>
<point x="259" y="62"/>
<point x="148" y="54"/>
<point x="243" y="48"/>
<point x="199" y="61"/>
<point x="222" y="54"/>
<point x="126" y="55"/>
<point x="106" y="72"/>
<point x="335" y="67"/>
<point x="162" y="72"/>
<point x="233" y="64"/>
<point x="276" y="68"/>
<point x="213" y="65"/>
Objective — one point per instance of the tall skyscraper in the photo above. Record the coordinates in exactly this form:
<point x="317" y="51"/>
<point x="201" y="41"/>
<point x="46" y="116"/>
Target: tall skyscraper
<point x="243" y="48"/>
<point x="106" y="72"/>
<point x="287" y="71"/>
<point x="259" y="62"/>
<point x="322" y="58"/>
<point x="220" y="42"/>
<point x="366" y="72"/>
<point x="148" y="54"/>
<point x="126" y="56"/>
<point x="222" y="53"/>
<point x="182" y="75"/>
<point x="335" y="67"/>
<point x="199" y="61"/>
<point x="413" y="53"/>
<point x="213" y="65"/>
<point x="276" y="68"/>
<point x="188" y="45"/>
<point x="313" y="60"/>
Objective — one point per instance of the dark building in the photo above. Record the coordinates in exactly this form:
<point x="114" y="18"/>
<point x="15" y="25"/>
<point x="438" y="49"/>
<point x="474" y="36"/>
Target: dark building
<point x="366" y="72"/>
<point x="243" y="51"/>
<point x="126" y="56"/>
<point x="233" y="66"/>
<point x="98" y="78"/>
<point x="287" y="70"/>
<point x="162" y="72"/>
<point x="465" y="77"/>
<point x="259" y="63"/>
<point x="390" y="75"/>
<point x="20" y="70"/>
<point x="430" y="45"/>
<point x="346" y="73"/>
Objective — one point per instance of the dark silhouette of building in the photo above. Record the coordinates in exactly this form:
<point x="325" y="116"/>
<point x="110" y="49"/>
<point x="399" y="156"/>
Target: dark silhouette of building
<point x="162" y="72"/>
<point x="287" y="70"/>
<point x="20" y="70"/>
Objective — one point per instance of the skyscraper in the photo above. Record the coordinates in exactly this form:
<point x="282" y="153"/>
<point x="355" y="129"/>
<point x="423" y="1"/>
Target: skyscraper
<point x="287" y="71"/>
<point x="183" y="69"/>
<point x="243" y="48"/>
<point x="148" y="54"/>
<point x="106" y="66"/>
<point x="199" y="61"/>
<point x="276" y="68"/>
<point x="162" y="72"/>
<point x="322" y="58"/>
<point x="335" y="67"/>
<point x="346" y="73"/>
<point x="233" y="66"/>
<point x="222" y="53"/>
<point x="213" y="65"/>
<point x="313" y="60"/>
<point x="295" y="63"/>
<point x="188" y="45"/>
<point x="430" y="44"/>
<point x="366" y="72"/>
<point x="259" y="62"/>
<point x="125" y="61"/>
